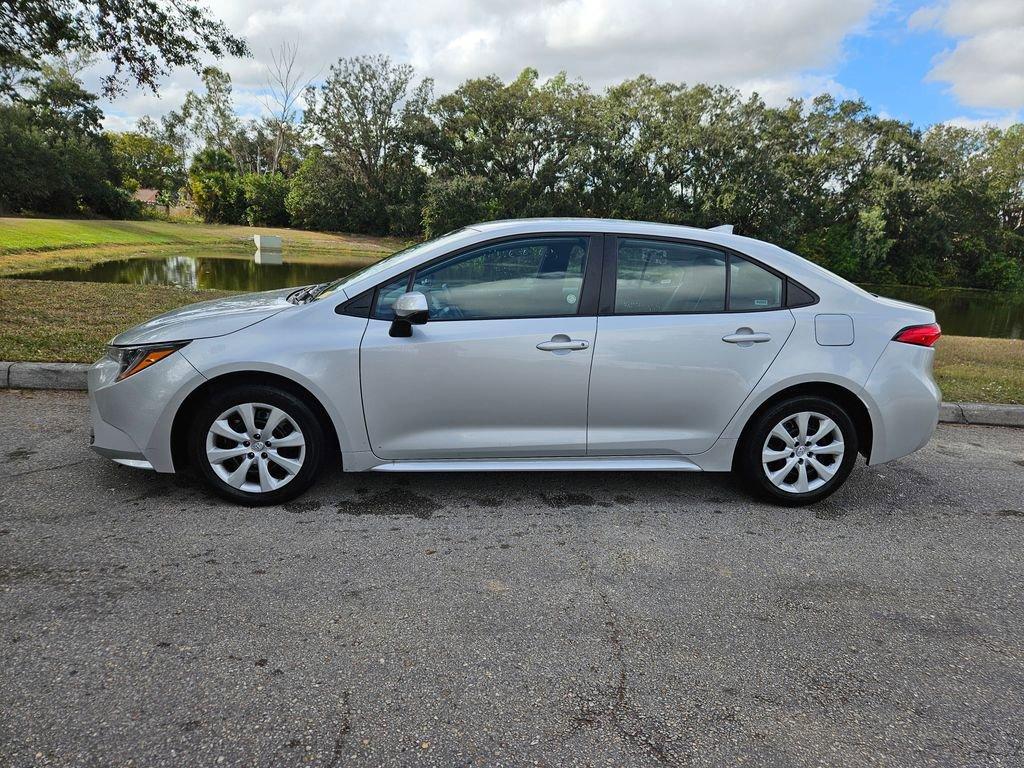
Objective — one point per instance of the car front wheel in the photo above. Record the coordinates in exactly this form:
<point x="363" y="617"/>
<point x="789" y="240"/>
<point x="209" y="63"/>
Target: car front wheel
<point x="798" y="451"/>
<point x="256" y="444"/>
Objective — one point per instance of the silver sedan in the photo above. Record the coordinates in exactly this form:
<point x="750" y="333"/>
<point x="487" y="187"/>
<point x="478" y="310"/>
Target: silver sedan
<point x="544" y="344"/>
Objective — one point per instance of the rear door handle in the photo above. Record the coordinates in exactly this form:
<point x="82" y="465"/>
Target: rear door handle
<point x="560" y="342"/>
<point x="746" y="337"/>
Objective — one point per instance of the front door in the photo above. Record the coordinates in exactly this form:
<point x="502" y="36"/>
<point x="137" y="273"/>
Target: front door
<point x="502" y="366"/>
<point x="685" y="334"/>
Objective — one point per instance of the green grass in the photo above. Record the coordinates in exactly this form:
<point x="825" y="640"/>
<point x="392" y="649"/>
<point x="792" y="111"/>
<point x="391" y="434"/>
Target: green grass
<point x="48" y="234"/>
<point x="62" y="321"/>
<point x="56" y="321"/>
<point x="980" y="370"/>
<point x="28" y="245"/>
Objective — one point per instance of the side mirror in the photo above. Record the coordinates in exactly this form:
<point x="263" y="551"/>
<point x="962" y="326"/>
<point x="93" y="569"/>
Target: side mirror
<point x="410" y="309"/>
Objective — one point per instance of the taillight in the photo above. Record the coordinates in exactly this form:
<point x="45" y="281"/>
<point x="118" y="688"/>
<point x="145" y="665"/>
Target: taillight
<point x="921" y="335"/>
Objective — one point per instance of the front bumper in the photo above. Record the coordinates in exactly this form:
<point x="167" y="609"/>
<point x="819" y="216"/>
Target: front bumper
<point x="107" y="440"/>
<point x="132" y="419"/>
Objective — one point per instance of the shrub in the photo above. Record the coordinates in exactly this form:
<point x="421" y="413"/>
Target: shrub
<point x="999" y="272"/>
<point x="265" y="197"/>
<point x="324" y="195"/>
<point x="218" y="196"/>
<point x="453" y="203"/>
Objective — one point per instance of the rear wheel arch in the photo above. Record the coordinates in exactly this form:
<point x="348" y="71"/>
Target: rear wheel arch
<point x="187" y="410"/>
<point x="843" y="397"/>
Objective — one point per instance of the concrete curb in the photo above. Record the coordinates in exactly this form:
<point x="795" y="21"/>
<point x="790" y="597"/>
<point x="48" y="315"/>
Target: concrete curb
<point x="987" y="414"/>
<point x="73" y="376"/>
<point x="43" y="375"/>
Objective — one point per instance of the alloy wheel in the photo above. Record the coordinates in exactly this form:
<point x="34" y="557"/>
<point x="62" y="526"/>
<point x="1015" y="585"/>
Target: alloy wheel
<point x="255" y="447"/>
<point x="802" y="452"/>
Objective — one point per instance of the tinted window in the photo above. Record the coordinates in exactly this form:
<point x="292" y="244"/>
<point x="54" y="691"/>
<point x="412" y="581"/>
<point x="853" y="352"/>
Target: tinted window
<point x="535" y="277"/>
<point x="752" y="287"/>
<point x="386" y="298"/>
<point x="654" y="277"/>
<point x="798" y="296"/>
<point x="396" y="258"/>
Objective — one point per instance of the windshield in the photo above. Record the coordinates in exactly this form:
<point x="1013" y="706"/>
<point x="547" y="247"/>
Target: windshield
<point x="389" y="261"/>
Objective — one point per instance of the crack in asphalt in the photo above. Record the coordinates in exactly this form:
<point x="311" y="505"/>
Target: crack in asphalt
<point x="45" y="469"/>
<point x="344" y="727"/>
<point x="621" y="712"/>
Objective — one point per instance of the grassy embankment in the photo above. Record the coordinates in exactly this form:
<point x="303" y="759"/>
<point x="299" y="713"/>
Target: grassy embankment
<point x="45" y="320"/>
<point x="41" y="244"/>
<point x="52" y="321"/>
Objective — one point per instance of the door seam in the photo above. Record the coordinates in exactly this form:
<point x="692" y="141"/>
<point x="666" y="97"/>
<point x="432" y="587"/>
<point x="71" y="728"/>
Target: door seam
<point x="753" y="389"/>
<point x="590" y="378"/>
<point x="362" y="401"/>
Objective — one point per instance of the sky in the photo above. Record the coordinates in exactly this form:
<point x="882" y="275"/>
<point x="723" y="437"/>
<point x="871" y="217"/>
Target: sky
<point x="924" y="61"/>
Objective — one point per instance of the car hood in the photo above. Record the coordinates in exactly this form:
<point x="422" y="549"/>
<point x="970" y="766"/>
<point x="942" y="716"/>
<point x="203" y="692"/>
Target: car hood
<point x="207" y="318"/>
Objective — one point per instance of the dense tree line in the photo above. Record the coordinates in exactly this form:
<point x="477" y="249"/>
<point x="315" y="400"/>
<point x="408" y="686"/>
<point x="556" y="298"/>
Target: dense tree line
<point x="375" y="151"/>
<point x="53" y="155"/>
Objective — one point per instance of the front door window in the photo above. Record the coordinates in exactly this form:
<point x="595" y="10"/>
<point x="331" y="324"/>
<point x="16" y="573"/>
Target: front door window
<point x="532" y="277"/>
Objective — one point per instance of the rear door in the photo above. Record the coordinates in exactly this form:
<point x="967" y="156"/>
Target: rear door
<point x="501" y="367"/>
<point x="685" y="331"/>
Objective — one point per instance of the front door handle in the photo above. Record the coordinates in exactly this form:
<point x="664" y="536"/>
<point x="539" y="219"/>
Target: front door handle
<point x="745" y="337"/>
<point x="562" y="343"/>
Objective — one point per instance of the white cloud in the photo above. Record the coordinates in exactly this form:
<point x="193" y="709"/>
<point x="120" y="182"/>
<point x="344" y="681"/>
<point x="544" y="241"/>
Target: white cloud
<point x="985" y="69"/>
<point x="1003" y="121"/>
<point x="780" y="47"/>
<point x="777" y="91"/>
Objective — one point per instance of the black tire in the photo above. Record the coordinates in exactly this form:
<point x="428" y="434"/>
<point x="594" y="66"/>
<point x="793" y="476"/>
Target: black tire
<point x="297" y="410"/>
<point x="749" y="456"/>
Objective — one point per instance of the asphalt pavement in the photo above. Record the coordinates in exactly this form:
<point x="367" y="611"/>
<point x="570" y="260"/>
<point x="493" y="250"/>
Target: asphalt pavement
<point x="509" y="619"/>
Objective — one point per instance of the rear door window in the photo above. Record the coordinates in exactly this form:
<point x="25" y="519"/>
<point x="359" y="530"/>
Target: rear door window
<point x="659" y="277"/>
<point x="752" y="287"/>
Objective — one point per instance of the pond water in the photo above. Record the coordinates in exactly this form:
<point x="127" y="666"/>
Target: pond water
<point x="225" y="273"/>
<point x="965" y="312"/>
<point x="960" y="312"/>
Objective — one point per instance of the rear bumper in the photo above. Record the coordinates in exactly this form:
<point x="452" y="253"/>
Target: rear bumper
<point x="904" y="401"/>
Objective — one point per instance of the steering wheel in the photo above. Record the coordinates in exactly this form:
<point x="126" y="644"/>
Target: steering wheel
<point x="446" y="311"/>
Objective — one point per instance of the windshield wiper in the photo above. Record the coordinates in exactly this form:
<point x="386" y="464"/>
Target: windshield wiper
<point x="316" y="290"/>
<point x="304" y="294"/>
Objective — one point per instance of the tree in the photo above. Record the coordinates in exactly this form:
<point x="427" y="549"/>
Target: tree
<point x="530" y="141"/>
<point x="54" y="158"/>
<point x="1004" y="153"/>
<point x="364" y="114"/>
<point x="216" y="190"/>
<point x="30" y="164"/>
<point x="208" y="120"/>
<point x="456" y="202"/>
<point x="146" y="161"/>
<point x="365" y="118"/>
<point x="265" y="196"/>
<point x="325" y="195"/>
<point x="285" y="86"/>
<point x="143" y="39"/>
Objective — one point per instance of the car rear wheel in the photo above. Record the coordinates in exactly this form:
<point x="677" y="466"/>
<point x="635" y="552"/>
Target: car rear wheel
<point x="798" y="451"/>
<point x="257" y="444"/>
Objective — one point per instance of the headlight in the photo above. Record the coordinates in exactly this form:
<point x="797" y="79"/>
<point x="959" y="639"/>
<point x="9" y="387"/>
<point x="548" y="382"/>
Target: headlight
<point x="131" y="360"/>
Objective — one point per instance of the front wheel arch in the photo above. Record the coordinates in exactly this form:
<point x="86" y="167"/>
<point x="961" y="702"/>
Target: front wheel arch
<point x="842" y="397"/>
<point x="187" y="409"/>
